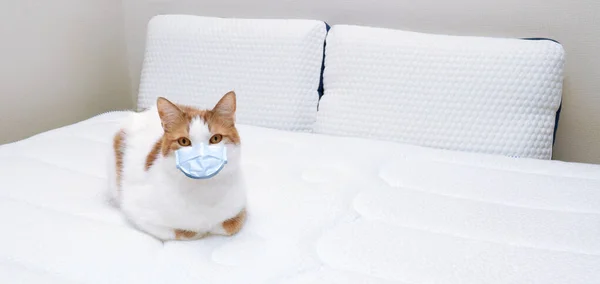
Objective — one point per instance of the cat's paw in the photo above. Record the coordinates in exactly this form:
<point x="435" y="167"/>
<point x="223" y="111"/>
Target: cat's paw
<point x="231" y="226"/>
<point x="186" y="235"/>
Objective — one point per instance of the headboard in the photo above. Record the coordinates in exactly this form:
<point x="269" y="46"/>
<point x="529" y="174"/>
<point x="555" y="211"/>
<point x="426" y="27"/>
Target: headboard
<point x="572" y="24"/>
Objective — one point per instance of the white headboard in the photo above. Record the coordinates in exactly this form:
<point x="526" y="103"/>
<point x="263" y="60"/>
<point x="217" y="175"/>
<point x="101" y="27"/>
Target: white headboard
<point x="572" y="24"/>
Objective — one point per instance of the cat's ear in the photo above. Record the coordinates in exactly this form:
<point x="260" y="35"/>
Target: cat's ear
<point x="170" y="114"/>
<point x="226" y="106"/>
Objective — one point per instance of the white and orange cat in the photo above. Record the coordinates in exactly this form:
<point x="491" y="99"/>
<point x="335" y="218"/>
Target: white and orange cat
<point x="158" y="198"/>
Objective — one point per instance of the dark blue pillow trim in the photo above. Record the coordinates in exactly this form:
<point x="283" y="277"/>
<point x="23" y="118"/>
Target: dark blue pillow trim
<point x="541" y="38"/>
<point x="321" y="89"/>
<point x="557" y="116"/>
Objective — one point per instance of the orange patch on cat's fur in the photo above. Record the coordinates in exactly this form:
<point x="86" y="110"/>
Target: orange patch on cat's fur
<point x="223" y="126"/>
<point x="234" y="225"/>
<point x="221" y="119"/>
<point x="118" y="144"/>
<point x="192" y="112"/>
<point x="184" y="234"/>
<point x="153" y="154"/>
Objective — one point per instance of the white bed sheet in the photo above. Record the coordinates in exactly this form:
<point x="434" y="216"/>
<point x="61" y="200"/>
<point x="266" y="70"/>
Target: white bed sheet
<point x="322" y="209"/>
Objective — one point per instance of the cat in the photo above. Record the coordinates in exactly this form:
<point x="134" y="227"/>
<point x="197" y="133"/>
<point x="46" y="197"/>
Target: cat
<point x="155" y="196"/>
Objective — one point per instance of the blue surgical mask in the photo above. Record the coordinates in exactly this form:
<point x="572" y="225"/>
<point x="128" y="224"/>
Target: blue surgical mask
<point x="201" y="161"/>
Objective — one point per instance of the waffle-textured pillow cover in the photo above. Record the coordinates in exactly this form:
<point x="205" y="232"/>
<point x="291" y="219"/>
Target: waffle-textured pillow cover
<point x="488" y="95"/>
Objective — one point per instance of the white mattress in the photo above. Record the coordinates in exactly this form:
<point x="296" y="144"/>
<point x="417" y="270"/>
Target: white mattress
<point x="322" y="209"/>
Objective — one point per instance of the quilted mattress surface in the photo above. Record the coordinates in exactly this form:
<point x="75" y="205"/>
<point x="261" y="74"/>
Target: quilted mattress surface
<point x="322" y="209"/>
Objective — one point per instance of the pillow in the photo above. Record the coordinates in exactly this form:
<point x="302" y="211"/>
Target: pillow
<point x="487" y="95"/>
<point x="272" y="65"/>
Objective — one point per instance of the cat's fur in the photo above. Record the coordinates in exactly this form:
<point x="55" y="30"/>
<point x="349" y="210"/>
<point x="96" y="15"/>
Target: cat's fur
<point x="159" y="199"/>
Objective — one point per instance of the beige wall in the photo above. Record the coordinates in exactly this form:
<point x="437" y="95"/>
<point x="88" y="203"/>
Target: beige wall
<point x="66" y="59"/>
<point x="61" y="61"/>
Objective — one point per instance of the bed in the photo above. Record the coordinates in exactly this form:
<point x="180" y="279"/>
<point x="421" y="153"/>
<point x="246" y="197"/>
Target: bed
<point x="390" y="213"/>
<point x="401" y="198"/>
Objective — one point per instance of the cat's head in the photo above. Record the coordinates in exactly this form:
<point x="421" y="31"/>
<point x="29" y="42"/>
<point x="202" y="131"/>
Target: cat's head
<point x="185" y="125"/>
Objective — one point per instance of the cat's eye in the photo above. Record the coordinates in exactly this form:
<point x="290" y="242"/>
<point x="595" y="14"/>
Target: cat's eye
<point x="184" y="141"/>
<point x="216" y="138"/>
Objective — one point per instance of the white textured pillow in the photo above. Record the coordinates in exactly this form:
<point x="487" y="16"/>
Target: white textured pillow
<point x="273" y="66"/>
<point x="474" y="94"/>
